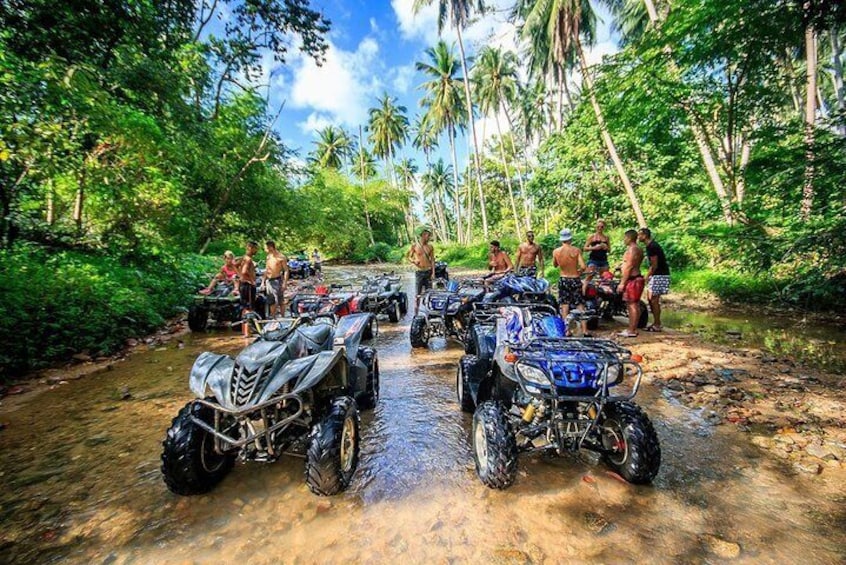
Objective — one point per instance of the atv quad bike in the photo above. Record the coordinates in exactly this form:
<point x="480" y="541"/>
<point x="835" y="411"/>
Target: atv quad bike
<point x="543" y="392"/>
<point x="223" y="306"/>
<point x="319" y="302"/>
<point x="300" y="268"/>
<point x="382" y="295"/>
<point x="448" y="313"/>
<point x="610" y="303"/>
<point x="296" y="389"/>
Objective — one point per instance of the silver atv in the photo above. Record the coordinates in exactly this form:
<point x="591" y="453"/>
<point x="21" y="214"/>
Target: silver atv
<point x="295" y="390"/>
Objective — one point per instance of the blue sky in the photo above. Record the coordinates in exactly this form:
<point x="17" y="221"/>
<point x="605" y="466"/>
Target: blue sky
<point x="373" y="46"/>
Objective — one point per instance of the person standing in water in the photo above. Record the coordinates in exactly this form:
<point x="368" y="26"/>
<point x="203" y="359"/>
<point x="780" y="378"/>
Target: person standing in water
<point x="657" y="277"/>
<point x="276" y="275"/>
<point x="422" y="255"/>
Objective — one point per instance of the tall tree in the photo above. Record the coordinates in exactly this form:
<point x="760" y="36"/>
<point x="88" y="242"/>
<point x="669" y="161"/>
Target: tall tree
<point x="388" y="128"/>
<point x="458" y="13"/>
<point x="365" y="167"/>
<point x="561" y="22"/>
<point x="333" y="147"/>
<point x="406" y="170"/>
<point x="444" y="106"/>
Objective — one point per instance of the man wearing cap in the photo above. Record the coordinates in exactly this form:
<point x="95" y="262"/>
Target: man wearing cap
<point x="529" y="256"/>
<point x="422" y="254"/>
<point x="570" y="265"/>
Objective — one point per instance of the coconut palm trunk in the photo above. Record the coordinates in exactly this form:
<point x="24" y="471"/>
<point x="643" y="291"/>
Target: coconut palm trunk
<point x="606" y="137"/>
<point x="456" y="201"/>
<point x="837" y="73"/>
<point x="472" y="120"/>
<point x="520" y="178"/>
<point x="363" y="185"/>
<point x="810" y="114"/>
<point x="508" y="179"/>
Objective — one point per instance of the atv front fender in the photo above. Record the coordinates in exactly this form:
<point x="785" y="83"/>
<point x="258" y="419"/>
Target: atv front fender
<point x="323" y="365"/>
<point x="212" y="371"/>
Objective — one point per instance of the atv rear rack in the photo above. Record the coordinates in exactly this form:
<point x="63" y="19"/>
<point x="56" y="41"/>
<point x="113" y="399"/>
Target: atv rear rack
<point x="222" y="438"/>
<point x="488" y="312"/>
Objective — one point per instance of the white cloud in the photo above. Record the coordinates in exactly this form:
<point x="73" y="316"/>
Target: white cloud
<point x="423" y="25"/>
<point x="492" y="28"/>
<point x="314" y="122"/>
<point x="374" y="27"/>
<point x="403" y="76"/>
<point x="339" y="90"/>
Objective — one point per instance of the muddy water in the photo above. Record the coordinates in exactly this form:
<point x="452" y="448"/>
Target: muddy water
<point x="81" y="484"/>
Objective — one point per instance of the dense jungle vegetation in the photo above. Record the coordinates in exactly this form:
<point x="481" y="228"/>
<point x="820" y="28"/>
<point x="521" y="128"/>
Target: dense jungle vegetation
<point x="134" y="146"/>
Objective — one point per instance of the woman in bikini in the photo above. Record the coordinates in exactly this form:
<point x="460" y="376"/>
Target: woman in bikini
<point x="228" y="273"/>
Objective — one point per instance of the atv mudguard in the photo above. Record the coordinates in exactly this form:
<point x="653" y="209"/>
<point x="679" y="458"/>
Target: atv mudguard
<point x="349" y="332"/>
<point x="212" y="371"/>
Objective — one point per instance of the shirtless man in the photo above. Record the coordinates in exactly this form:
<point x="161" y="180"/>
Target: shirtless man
<point x="422" y="255"/>
<point x="499" y="262"/>
<point x="528" y="254"/>
<point x="631" y="285"/>
<point x="276" y="275"/>
<point x="247" y="276"/>
<point x="571" y="265"/>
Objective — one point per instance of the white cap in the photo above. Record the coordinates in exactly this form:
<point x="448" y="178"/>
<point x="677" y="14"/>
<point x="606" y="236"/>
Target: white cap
<point x="565" y="235"/>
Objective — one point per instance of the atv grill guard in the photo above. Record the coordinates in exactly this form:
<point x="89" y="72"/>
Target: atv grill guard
<point x="222" y="440"/>
<point x="606" y="357"/>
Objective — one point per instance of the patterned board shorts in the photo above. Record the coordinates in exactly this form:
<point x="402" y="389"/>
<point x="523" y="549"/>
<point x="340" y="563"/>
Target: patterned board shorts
<point x="423" y="280"/>
<point x="658" y="285"/>
<point x="274" y="292"/>
<point x="527" y="271"/>
<point x="570" y="291"/>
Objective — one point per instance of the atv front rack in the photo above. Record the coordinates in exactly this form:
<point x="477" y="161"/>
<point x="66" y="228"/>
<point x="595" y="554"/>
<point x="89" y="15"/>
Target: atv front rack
<point x="603" y="353"/>
<point x="221" y="438"/>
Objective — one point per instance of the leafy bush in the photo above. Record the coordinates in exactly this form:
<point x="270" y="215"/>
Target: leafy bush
<point x="65" y="302"/>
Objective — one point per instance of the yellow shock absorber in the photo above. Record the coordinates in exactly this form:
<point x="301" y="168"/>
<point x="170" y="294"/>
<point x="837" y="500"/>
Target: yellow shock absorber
<point x="592" y="412"/>
<point x="529" y="413"/>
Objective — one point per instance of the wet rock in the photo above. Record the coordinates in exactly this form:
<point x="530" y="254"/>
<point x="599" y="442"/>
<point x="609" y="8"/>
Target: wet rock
<point x="820" y="452"/>
<point x="124" y="394"/>
<point x="180" y="344"/>
<point x="675" y="384"/>
<point x="54" y="380"/>
<point x="436" y="525"/>
<point x="81" y="357"/>
<point x="597" y="523"/>
<point x="713" y="418"/>
<point x="808" y="467"/>
<point x="511" y="555"/>
<point x="131" y="342"/>
<point x="3" y="426"/>
<point x="323" y="506"/>
<point x="710" y="389"/>
<point x="98" y="439"/>
<point x="720" y="547"/>
<point x="108" y="408"/>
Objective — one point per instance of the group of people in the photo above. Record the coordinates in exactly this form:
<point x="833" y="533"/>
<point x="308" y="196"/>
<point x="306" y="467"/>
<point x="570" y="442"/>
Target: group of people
<point x="574" y="273"/>
<point x="241" y="273"/>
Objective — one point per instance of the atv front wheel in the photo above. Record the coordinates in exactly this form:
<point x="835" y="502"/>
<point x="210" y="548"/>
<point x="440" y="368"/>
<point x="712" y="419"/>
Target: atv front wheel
<point x="369" y="332"/>
<point x="468" y="368"/>
<point x="198" y="318"/>
<point x="190" y="465"/>
<point x="332" y="455"/>
<point x="418" y="334"/>
<point x="494" y="446"/>
<point x="630" y="441"/>
<point x="403" y="300"/>
<point x="371" y="389"/>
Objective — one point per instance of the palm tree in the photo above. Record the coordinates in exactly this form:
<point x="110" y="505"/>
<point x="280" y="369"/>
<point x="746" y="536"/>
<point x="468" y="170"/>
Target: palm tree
<point x="495" y="76"/>
<point x="444" y="105"/>
<point x="332" y="148"/>
<point x="365" y="167"/>
<point x="562" y="22"/>
<point x="458" y="13"/>
<point x="437" y="187"/>
<point x="406" y="170"/>
<point x="388" y="128"/>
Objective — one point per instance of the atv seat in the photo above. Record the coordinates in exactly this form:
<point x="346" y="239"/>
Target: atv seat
<point x="316" y="336"/>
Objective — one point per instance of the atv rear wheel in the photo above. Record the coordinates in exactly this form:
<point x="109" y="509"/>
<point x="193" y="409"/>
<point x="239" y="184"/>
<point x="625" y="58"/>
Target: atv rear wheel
<point x="403" y="300"/>
<point x="468" y="367"/>
<point x="198" y="318"/>
<point x="190" y="464"/>
<point x="332" y="455"/>
<point x="418" y="335"/>
<point x="494" y="446"/>
<point x="394" y="312"/>
<point x="633" y="444"/>
<point x="593" y="323"/>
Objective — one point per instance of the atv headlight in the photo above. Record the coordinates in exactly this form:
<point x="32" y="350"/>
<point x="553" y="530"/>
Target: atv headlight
<point x="532" y="374"/>
<point x="612" y="374"/>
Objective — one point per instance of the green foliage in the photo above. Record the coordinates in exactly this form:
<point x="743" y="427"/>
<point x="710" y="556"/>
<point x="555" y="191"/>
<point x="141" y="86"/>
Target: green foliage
<point x="60" y="303"/>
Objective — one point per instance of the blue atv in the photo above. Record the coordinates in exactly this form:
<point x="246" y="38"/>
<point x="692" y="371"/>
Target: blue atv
<point x="531" y="389"/>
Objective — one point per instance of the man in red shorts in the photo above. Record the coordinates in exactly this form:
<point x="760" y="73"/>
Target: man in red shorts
<point x="631" y="285"/>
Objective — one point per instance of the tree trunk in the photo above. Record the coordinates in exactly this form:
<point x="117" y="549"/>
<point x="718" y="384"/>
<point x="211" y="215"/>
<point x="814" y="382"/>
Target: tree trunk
<point x="520" y="178"/>
<point x="363" y="185"/>
<point x="79" y="202"/>
<point x="559" y="99"/>
<point x="476" y="154"/>
<point x="457" y="202"/>
<point x="508" y="179"/>
<point x="837" y="75"/>
<point x="609" y="142"/>
<point x="810" y="115"/>
<point x="745" y="149"/>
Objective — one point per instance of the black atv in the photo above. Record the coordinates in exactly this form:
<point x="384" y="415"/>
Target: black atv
<point x="382" y="295"/>
<point x="445" y="313"/>
<point x="295" y="389"/>
<point x="531" y="389"/>
<point x="223" y="306"/>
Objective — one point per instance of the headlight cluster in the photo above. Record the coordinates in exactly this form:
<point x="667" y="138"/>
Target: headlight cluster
<point x="534" y="375"/>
